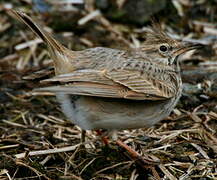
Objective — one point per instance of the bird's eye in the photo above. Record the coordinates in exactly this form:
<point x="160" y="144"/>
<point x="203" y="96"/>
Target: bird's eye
<point x="163" y="48"/>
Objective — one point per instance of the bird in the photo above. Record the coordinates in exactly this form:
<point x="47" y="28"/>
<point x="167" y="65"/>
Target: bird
<point x="113" y="89"/>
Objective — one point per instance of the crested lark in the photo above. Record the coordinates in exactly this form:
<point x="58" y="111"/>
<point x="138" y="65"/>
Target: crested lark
<point x="103" y="88"/>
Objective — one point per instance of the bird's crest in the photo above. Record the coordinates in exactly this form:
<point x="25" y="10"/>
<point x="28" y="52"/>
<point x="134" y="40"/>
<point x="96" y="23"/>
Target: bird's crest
<point x="155" y="35"/>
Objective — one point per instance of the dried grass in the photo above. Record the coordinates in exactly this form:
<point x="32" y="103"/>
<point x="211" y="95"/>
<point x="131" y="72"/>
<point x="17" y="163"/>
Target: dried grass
<point x="37" y="142"/>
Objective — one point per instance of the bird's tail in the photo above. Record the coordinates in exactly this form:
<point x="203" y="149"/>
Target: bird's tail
<point x="45" y="36"/>
<point x="59" y="53"/>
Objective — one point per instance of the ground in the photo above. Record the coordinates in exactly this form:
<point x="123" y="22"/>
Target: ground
<point x="38" y="142"/>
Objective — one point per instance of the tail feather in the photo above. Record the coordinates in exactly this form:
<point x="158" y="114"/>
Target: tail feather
<point x="61" y="56"/>
<point x="45" y="36"/>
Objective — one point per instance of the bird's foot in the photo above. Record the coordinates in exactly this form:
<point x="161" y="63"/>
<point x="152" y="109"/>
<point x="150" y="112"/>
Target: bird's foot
<point x="136" y="156"/>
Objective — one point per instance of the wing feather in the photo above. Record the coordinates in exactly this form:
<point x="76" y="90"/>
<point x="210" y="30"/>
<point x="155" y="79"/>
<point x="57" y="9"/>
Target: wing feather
<point x="116" y="83"/>
<point x="98" y="90"/>
<point x="142" y="83"/>
<point x="87" y="75"/>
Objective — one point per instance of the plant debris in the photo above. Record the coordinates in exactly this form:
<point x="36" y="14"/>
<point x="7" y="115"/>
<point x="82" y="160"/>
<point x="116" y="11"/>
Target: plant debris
<point x="38" y="142"/>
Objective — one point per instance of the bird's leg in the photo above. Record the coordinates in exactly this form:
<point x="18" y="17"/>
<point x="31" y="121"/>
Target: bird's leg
<point x="103" y="137"/>
<point x="135" y="155"/>
<point x="83" y="133"/>
<point x="144" y="162"/>
<point x="132" y="153"/>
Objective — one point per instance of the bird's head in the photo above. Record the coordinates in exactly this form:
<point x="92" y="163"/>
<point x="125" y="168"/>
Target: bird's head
<point x="162" y="48"/>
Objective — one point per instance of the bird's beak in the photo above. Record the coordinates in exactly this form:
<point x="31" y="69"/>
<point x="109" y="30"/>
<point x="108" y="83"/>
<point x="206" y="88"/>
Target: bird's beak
<point x="186" y="46"/>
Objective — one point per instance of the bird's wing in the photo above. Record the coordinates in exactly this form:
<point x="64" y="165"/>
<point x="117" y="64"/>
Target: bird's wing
<point x="115" y="84"/>
<point x="86" y="75"/>
<point x="98" y="90"/>
<point x="153" y="84"/>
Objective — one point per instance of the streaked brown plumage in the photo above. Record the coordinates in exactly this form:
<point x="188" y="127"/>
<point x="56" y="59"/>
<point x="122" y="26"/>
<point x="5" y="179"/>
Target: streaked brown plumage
<point x="115" y="89"/>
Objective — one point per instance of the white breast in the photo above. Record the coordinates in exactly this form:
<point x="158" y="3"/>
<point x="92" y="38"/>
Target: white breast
<point x="104" y="113"/>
